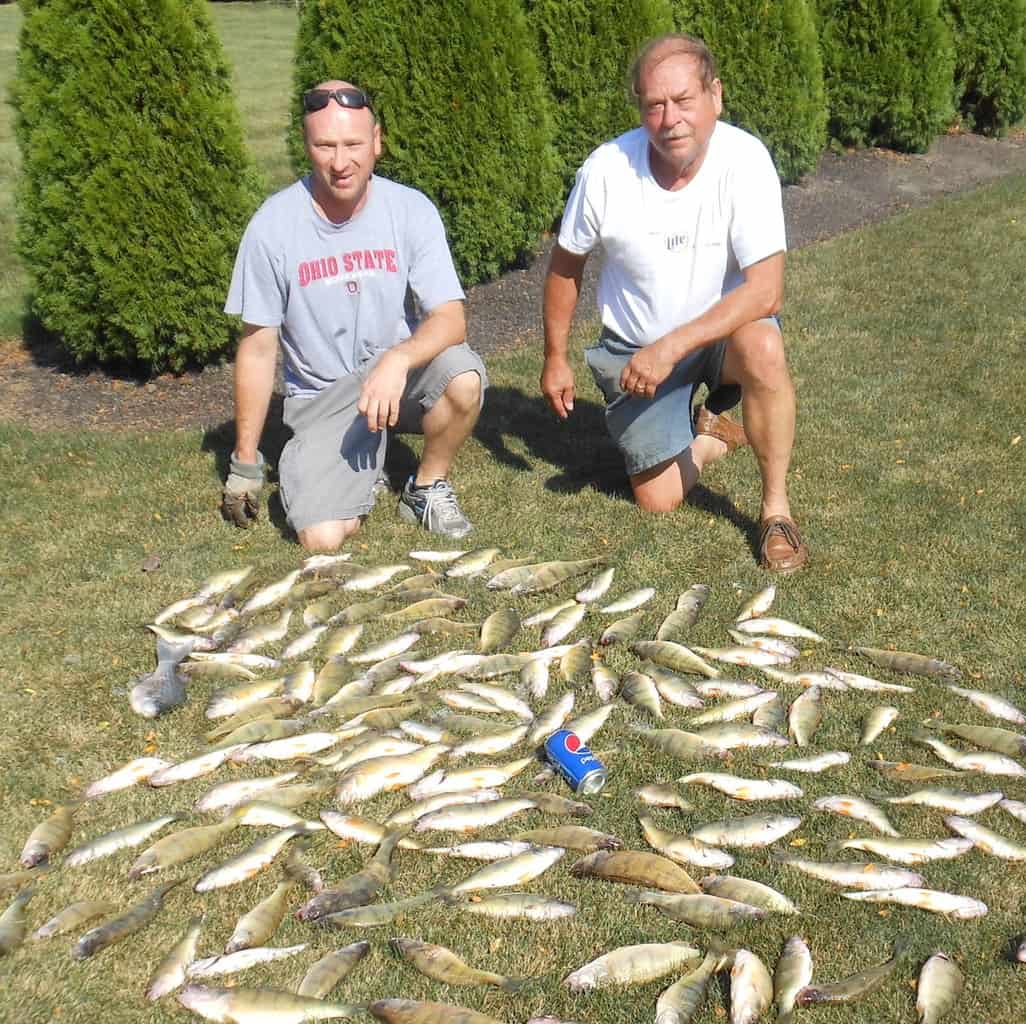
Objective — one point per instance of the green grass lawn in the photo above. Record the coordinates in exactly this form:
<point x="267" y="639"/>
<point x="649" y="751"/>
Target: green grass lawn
<point x="906" y="347"/>
<point x="258" y="39"/>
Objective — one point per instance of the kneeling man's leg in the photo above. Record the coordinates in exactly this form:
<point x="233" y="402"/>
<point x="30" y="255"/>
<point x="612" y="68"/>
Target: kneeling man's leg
<point x="755" y="360"/>
<point x="447" y="424"/>
<point x="329" y="535"/>
<point x="663" y="488"/>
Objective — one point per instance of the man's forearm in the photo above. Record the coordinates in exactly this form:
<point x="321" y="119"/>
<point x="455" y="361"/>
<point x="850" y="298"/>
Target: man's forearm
<point x="254" y="382"/>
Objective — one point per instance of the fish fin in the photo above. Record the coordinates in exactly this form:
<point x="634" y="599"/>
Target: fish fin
<point x="516" y="984"/>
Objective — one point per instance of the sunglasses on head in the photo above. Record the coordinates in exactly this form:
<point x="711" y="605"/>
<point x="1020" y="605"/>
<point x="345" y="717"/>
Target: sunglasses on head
<point x="317" y="99"/>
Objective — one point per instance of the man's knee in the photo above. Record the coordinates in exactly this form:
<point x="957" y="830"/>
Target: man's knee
<point x="660" y="503"/>
<point x="328" y="536"/>
<point x="464" y="393"/>
<point x="755" y="355"/>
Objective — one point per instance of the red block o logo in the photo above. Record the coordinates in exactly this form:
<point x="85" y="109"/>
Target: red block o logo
<point x="573" y="743"/>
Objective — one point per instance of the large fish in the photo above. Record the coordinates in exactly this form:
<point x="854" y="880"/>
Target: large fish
<point x="699" y="911"/>
<point x="750" y="831"/>
<point x="410" y="1011"/>
<point x="324" y="975"/>
<point x="250" y="861"/>
<point x="631" y="965"/>
<point x="260" y="1006"/>
<point x="170" y="972"/>
<point x="912" y="664"/>
<point x="14" y="923"/>
<point x="72" y="917"/>
<point x="853" y="987"/>
<point x="166" y="687"/>
<point x="499" y="874"/>
<point x="851" y="874"/>
<point x="679" y="1003"/>
<point x="939" y="988"/>
<point x="793" y="973"/>
<point x="442" y="964"/>
<point x="127" y="924"/>
<point x="634" y="867"/>
<point x="744" y="890"/>
<point x="951" y="905"/>
<point x="683" y="849"/>
<point x="751" y="988"/>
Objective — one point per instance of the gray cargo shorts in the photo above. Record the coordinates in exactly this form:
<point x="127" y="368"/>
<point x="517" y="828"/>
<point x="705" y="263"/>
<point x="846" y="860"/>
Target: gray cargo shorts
<point x="328" y="468"/>
<point x="649" y="431"/>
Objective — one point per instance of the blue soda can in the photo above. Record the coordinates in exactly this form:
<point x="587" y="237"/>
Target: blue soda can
<point x="575" y="762"/>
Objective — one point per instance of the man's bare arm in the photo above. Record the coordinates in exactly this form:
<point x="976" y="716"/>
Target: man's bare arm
<point x="443" y="327"/>
<point x="760" y="295"/>
<point x="562" y="290"/>
<point x="254" y="382"/>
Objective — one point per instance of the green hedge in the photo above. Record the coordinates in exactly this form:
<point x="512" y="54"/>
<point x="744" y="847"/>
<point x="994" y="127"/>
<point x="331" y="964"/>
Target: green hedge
<point x="586" y="50"/>
<point x="990" y="61"/>
<point x="772" y="74"/>
<point x="465" y="117"/>
<point x="135" y="188"/>
<point x="888" y="67"/>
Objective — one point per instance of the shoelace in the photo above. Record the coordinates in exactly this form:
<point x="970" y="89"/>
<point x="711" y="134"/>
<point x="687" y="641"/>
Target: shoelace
<point x="789" y="532"/>
<point x="441" y="501"/>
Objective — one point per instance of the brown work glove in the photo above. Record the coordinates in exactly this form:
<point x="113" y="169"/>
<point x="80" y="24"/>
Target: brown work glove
<point x="240" y="500"/>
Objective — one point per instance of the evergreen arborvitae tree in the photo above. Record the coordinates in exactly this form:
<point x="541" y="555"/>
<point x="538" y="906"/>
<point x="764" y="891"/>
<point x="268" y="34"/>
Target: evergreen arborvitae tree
<point x="772" y="74"/>
<point x="990" y="61"/>
<point x="465" y="117"/>
<point x="888" y="67"/>
<point x="135" y="187"/>
<point x="587" y="49"/>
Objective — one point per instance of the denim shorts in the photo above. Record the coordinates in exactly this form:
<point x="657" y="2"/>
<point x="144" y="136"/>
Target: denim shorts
<point x="649" y="431"/>
<point x="328" y="468"/>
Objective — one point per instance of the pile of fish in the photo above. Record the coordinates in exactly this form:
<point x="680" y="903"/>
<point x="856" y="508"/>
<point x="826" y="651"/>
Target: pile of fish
<point x="452" y="714"/>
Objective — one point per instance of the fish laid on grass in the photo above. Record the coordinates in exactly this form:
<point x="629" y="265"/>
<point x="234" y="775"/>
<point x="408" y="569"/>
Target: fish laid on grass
<point x="939" y="988"/>
<point x="805" y="716"/>
<point x="537" y="577"/>
<point x="629" y="601"/>
<point x="632" y="965"/>
<point x="806" y="680"/>
<point x="986" y="839"/>
<point x="814" y="765"/>
<point x="622" y="630"/>
<point x="679" y="1003"/>
<point x="119" y="839"/>
<point x="634" y="867"/>
<point x="1016" y="808"/>
<point x="375" y="915"/>
<point x="792" y="974"/>
<point x="744" y="890"/>
<point x="571" y="837"/>
<point x="683" y="849"/>
<point x="955" y="801"/>
<point x="469" y="817"/>
<point x="698" y="911"/>
<point x="483" y="849"/>
<point x="136" y="771"/>
<point x="14" y="923"/>
<point x="367" y="779"/>
<point x="858" y="808"/>
<point x="240" y="960"/>
<point x="853" y="987"/>
<point x="194" y="767"/>
<point x="911" y="664"/>
<point x="169" y="974"/>
<point x="1004" y="741"/>
<point x="500" y="874"/>
<point x="358" y="889"/>
<point x="166" y="687"/>
<point x="991" y="704"/>
<point x="745" y="789"/>
<point x="744" y="656"/>
<point x="875" y="722"/>
<point x="674" y="689"/>
<point x="851" y="874"/>
<point x="867" y="684"/>
<point x="410" y="1011"/>
<point x="911" y="851"/>
<point x="989" y="762"/>
<point x="260" y="1006"/>
<point x="442" y="964"/>
<point x="757" y="605"/>
<point x="49" y="837"/>
<point x="675" y="657"/>
<point x="743" y="707"/>
<point x="129" y="923"/>
<point x="680" y="743"/>
<point x="751" y="988"/>
<point x="324" y="975"/>
<point x="257" y="925"/>
<point x="952" y="905"/>
<point x="904" y="771"/>
<point x="73" y="917"/>
<point x="597" y="587"/>
<point x="776" y="627"/>
<point x="640" y="691"/>
<point x="752" y="831"/>
<point x="250" y="861"/>
<point x="662" y="795"/>
<point x="526" y="906"/>
<point x="738" y="735"/>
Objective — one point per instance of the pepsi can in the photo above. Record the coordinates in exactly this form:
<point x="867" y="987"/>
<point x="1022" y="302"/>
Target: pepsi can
<point x="575" y="762"/>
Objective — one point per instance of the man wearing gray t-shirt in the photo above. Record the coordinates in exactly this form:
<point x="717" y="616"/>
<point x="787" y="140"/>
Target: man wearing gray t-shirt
<point x="324" y="268"/>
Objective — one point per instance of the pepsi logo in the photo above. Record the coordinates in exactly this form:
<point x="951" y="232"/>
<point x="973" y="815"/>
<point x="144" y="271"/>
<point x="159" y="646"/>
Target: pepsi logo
<point x="572" y="743"/>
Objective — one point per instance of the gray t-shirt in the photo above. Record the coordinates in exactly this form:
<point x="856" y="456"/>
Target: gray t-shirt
<point x="337" y="291"/>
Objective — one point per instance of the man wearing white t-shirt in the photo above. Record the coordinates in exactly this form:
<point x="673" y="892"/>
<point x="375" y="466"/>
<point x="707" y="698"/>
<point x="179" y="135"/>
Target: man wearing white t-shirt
<point x="687" y="211"/>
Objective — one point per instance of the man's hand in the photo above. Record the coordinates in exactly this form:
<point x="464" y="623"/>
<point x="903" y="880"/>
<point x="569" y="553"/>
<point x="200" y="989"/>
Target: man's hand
<point x="557" y="385"/>
<point x="240" y="500"/>
<point x="648" y="368"/>
<point x="383" y="390"/>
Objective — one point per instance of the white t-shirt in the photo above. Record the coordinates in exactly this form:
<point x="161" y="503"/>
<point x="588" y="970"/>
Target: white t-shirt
<point x="669" y="256"/>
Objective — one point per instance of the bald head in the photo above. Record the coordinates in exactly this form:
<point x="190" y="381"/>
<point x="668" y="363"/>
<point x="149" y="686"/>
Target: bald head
<point x="333" y="107"/>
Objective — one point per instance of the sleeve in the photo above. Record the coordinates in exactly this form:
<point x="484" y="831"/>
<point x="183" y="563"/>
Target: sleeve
<point x="581" y="224"/>
<point x="757" y="223"/>
<point x="432" y="275"/>
<point x="257" y="291"/>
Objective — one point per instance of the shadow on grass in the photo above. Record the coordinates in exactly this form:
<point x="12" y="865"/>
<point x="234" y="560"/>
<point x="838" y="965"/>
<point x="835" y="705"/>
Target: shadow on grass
<point x="512" y="423"/>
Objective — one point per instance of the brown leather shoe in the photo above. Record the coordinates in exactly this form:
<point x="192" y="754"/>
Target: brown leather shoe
<point x="720" y="426"/>
<point x="781" y="548"/>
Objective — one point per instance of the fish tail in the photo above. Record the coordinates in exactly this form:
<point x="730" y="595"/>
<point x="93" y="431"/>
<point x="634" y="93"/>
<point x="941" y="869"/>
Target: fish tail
<point x="515" y="984"/>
